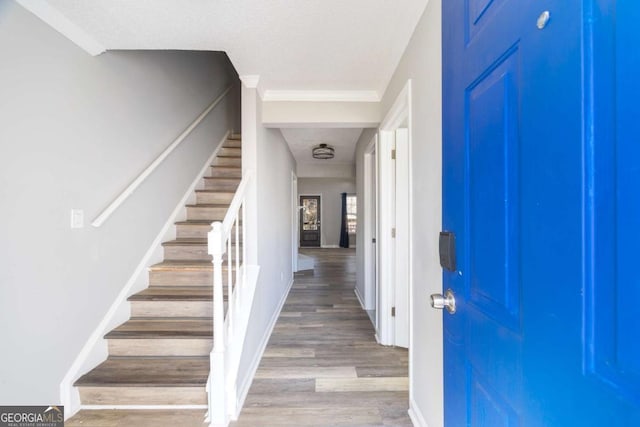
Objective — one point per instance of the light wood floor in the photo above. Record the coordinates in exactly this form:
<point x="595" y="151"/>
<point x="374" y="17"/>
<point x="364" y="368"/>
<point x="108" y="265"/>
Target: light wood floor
<point x="322" y="366"/>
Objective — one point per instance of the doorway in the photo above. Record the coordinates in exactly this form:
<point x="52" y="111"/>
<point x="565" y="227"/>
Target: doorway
<point x="310" y="223"/>
<point x="370" y="226"/>
<point x="393" y="235"/>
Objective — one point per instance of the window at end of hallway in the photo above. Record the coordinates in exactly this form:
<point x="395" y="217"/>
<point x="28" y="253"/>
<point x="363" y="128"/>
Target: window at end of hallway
<point x="352" y="213"/>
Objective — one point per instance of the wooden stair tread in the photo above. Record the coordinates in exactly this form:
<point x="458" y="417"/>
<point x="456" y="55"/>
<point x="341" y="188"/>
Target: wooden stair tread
<point x="148" y="372"/>
<point x="209" y="191"/>
<point x="164" y="328"/>
<point x="174" y="293"/>
<point x="173" y="265"/>
<point x="209" y="205"/>
<point x="200" y="222"/>
<point x="186" y="242"/>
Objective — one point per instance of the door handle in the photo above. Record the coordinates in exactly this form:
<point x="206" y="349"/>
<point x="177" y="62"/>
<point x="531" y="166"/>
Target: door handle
<point x="448" y="301"/>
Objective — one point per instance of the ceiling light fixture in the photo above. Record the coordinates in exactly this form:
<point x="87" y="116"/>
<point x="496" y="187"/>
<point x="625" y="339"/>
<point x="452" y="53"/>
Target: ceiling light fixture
<point x="323" y="152"/>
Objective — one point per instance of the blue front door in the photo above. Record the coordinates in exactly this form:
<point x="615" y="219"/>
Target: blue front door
<point x="541" y="186"/>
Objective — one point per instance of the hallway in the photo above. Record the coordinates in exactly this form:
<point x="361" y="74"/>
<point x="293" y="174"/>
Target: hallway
<point x="322" y="366"/>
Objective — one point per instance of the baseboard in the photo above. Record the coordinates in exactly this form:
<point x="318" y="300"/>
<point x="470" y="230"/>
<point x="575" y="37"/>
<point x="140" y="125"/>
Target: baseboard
<point x="360" y="299"/>
<point x="416" y="415"/>
<point x="243" y="390"/>
<point x="330" y="246"/>
<point x="95" y="349"/>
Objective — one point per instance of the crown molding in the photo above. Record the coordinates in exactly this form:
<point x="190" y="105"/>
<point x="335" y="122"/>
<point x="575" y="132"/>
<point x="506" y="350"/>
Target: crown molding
<point x="63" y="25"/>
<point x="322" y="95"/>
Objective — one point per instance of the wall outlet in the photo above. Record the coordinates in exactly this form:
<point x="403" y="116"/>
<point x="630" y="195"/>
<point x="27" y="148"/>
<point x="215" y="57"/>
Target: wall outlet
<point x="77" y="218"/>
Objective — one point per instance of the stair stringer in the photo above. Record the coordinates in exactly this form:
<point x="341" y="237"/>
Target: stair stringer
<point x="95" y="349"/>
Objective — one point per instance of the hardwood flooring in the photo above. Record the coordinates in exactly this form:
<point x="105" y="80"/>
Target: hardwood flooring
<point x="322" y="366"/>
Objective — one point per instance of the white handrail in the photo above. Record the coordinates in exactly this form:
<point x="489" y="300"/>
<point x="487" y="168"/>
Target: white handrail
<point x="100" y="219"/>
<point x="236" y="202"/>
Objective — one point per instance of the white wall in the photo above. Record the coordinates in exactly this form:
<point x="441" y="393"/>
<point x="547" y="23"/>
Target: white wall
<point x="328" y="170"/>
<point x="75" y="130"/>
<point x="421" y="62"/>
<point x="331" y="190"/>
<point x="273" y="170"/>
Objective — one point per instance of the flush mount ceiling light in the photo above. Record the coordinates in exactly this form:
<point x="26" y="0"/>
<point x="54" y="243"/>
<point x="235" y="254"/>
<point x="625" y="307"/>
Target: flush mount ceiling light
<point x="323" y="151"/>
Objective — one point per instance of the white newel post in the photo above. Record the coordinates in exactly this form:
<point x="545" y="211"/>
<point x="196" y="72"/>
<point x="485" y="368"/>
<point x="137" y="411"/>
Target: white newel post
<point x="218" y="414"/>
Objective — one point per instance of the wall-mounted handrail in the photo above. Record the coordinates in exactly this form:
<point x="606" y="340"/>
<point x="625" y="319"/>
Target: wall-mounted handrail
<point x="113" y="206"/>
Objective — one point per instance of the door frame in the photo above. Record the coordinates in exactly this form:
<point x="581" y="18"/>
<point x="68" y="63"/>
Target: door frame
<point x="320" y="216"/>
<point x="370" y="214"/>
<point x="295" y="219"/>
<point x="399" y="116"/>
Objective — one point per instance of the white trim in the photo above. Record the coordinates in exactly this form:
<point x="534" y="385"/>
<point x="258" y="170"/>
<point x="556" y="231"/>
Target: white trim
<point x="385" y="242"/>
<point x="360" y="300"/>
<point x="399" y="111"/>
<point x="64" y="26"/>
<point x="368" y="224"/>
<point x="100" y="219"/>
<point x="139" y="407"/>
<point x="415" y="414"/>
<point x="95" y="349"/>
<point x="243" y="390"/>
<point x="322" y="95"/>
<point x="394" y="119"/>
<point x="325" y="247"/>
<point x="295" y="219"/>
<point x="250" y="81"/>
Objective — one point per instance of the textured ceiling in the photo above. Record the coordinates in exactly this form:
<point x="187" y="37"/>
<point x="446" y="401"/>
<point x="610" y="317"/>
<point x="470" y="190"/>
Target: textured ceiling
<point x="332" y="45"/>
<point x="301" y="141"/>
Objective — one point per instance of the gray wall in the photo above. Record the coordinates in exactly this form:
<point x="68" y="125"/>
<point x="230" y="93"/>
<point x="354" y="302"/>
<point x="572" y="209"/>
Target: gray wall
<point x="75" y="130"/>
<point x="275" y="164"/>
<point x="331" y="204"/>
<point x="421" y="62"/>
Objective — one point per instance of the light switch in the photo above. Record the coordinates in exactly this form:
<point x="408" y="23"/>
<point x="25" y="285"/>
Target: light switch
<point x="77" y="218"/>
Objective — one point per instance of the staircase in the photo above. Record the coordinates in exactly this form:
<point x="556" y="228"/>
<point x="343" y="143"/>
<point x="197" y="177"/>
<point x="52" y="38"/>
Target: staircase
<point x="160" y="356"/>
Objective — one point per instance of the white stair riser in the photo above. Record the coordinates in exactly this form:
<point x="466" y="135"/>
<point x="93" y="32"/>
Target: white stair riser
<point x="160" y="346"/>
<point x="126" y="395"/>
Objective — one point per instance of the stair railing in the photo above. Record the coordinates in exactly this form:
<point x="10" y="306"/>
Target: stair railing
<point x="227" y="341"/>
